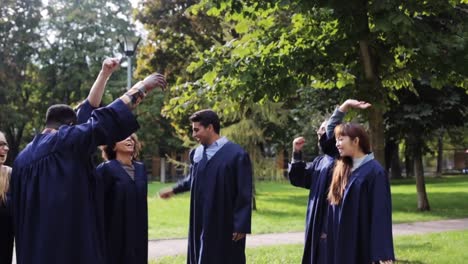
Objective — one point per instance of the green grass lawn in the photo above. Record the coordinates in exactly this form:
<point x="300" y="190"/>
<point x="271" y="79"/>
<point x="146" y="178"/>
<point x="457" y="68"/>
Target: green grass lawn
<point x="448" y="198"/>
<point x="437" y="248"/>
<point x="281" y="207"/>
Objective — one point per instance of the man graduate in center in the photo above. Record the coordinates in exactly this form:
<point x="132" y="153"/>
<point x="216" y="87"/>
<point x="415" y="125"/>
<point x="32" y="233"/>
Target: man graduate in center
<point x="220" y="181"/>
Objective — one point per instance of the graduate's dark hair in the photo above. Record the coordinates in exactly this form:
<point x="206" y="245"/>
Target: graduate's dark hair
<point x="206" y="117"/>
<point x="110" y="154"/>
<point x="59" y="115"/>
<point x="343" y="166"/>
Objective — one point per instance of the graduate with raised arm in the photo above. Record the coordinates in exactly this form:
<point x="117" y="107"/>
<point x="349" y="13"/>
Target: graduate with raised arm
<point x="6" y="225"/>
<point x="93" y="101"/>
<point x="316" y="177"/>
<point x="123" y="182"/>
<point x="360" y="211"/>
<point x="53" y="189"/>
<point x="220" y="181"/>
<point x="359" y="216"/>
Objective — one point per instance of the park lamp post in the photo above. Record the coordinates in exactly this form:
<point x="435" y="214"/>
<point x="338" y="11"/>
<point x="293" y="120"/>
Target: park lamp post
<point x="129" y="47"/>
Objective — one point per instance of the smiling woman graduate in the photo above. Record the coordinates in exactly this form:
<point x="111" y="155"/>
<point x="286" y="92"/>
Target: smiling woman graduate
<point x="123" y="183"/>
<point x="360" y="211"/>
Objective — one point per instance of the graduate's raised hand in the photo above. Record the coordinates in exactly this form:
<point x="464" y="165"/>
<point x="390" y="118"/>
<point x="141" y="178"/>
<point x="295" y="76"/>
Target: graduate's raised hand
<point x="110" y="65"/>
<point x="351" y="103"/>
<point x="237" y="236"/>
<point x="138" y="92"/>
<point x="166" y="193"/>
<point x="155" y="80"/>
<point x="298" y="144"/>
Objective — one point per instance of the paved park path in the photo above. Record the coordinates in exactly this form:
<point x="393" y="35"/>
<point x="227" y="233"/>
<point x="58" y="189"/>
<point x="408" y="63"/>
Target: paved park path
<point x="170" y="247"/>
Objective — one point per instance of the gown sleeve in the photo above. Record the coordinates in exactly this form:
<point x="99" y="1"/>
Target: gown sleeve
<point x="301" y="175"/>
<point x="184" y="185"/>
<point x="381" y="219"/>
<point x="103" y="176"/>
<point x="335" y="119"/>
<point x="107" y="124"/>
<point x="243" y="199"/>
<point x="84" y="111"/>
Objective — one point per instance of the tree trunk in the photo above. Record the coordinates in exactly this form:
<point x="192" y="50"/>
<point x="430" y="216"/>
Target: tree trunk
<point x="14" y="136"/>
<point x="377" y="137"/>
<point x="395" y="167"/>
<point x="392" y="159"/>
<point x="371" y="89"/>
<point x="423" y="202"/>
<point x="373" y="93"/>
<point x="409" y="163"/>
<point x="254" y="194"/>
<point x="253" y="156"/>
<point x="440" y="152"/>
<point x="389" y="146"/>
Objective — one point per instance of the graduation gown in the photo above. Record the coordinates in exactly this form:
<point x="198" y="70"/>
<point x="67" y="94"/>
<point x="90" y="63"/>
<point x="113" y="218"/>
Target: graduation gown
<point x="52" y="190"/>
<point x="6" y="235"/>
<point x="316" y="177"/>
<point x="125" y="212"/>
<point x="83" y="113"/>
<point x="220" y="204"/>
<point x="361" y="225"/>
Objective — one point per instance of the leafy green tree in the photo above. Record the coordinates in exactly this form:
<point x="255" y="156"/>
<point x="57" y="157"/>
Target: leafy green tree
<point x="156" y="132"/>
<point x="19" y="32"/>
<point x="53" y="53"/>
<point x="276" y="47"/>
<point x="418" y="117"/>
<point x="80" y="34"/>
<point x="174" y="38"/>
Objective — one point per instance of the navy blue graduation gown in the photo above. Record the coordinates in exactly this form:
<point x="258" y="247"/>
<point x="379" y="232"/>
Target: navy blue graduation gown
<point x="83" y="113"/>
<point x="361" y="225"/>
<point x="317" y="178"/>
<point x="124" y="212"/>
<point x="52" y="190"/>
<point x="6" y="234"/>
<point x="220" y="204"/>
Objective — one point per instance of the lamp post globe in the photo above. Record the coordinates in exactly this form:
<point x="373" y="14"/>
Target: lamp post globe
<point x="128" y="48"/>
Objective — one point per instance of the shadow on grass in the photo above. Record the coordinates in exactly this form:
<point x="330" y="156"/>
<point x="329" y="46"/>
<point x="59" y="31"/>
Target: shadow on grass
<point x="432" y="180"/>
<point x="277" y="213"/>
<point x="443" y="205"/>
<point x="414" y="247"/>
<point x="300" y="200"/>
<point x="402" y="261"/>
